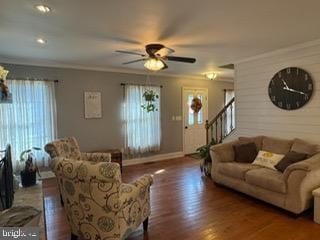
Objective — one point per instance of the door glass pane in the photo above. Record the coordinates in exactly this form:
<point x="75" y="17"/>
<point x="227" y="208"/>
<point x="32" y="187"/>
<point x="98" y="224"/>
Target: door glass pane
<point x="200" y="113"/>
<point x="190" y="111"/>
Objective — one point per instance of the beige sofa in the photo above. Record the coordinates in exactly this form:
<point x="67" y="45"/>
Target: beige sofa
<point x="291" y="190"/>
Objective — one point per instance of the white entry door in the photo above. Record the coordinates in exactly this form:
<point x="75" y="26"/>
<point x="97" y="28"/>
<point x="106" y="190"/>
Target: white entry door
<point x="194" y="132"/>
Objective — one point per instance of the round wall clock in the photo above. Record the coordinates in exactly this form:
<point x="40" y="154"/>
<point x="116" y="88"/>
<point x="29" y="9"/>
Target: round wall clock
<point x="291" y="88"/>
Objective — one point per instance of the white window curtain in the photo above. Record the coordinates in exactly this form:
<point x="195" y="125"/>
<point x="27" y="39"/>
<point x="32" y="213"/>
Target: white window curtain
<point x="30" y="120"/>
<point x="230" y="116"/>
<point x="142" y="129"/>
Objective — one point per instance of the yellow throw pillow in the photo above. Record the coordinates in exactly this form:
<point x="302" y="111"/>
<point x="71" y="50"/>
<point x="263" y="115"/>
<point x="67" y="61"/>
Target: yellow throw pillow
<point x="267" y="159"/>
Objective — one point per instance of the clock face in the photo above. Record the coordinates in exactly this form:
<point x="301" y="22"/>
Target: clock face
<point x="290" y="88"/>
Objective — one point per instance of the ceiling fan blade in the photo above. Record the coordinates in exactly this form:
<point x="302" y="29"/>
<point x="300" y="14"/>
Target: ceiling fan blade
<point x="132" y="53"/>
<point x="134" y="61"/>
<point x="181" y="59"/>
<point x="165" y="65"/>
<point x="163" y="52"/>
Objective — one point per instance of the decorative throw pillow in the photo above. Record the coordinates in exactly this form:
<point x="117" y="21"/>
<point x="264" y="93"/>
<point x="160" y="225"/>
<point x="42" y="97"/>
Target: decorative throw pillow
<point x="290" y="158"/>
<point x="245" y="153"/>
<point x="267" y="159"/>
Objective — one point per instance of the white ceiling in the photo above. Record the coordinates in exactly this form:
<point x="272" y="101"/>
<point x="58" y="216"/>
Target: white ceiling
<point x="82" y="33"/>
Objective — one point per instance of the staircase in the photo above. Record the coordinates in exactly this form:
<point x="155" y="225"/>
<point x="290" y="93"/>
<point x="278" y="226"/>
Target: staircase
<point x="221" y="125"/>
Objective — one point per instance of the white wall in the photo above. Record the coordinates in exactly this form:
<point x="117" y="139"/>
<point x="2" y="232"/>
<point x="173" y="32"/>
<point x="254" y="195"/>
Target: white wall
<point x="255" y="113"/>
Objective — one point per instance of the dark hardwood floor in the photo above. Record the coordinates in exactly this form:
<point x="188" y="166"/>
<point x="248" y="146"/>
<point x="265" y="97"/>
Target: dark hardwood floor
<point x="186" y="205"/>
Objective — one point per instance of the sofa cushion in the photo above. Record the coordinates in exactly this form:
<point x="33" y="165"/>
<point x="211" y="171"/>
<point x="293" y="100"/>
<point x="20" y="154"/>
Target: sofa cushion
<point x="302" y="146"/>
<point x="276" y="145"/>
<point x="290" y="158"/>
<point x="257" y="140"/>
<point x="234" y="169"/>
<point x="267" y="159"/>
<point x="267" y="179"/>
<point x="245" y="153"/>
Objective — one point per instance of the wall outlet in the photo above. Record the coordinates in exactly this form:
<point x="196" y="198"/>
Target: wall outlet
<point x="178" y="118"/>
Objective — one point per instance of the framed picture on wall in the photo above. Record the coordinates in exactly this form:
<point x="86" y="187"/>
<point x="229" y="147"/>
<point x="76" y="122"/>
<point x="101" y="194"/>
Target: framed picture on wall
<point x="92" y="105"/>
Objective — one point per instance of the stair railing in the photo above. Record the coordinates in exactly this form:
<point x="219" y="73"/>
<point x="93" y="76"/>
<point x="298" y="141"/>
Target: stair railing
<point x="222" y="125"/>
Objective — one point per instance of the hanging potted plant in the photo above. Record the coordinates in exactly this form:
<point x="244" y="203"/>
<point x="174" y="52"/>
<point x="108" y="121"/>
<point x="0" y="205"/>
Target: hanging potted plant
<point x="4" y="90"/>
<point x="206" y="161"/>
<point x="29" y="173"/>
<point x="150" y="98"/>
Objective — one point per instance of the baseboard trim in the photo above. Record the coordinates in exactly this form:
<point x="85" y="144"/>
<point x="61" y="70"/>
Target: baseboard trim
<point x="155" y="158"/>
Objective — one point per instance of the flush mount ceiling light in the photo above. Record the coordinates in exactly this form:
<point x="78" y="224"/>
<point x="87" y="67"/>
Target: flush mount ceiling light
<point x="43" y="8"/>
<point x="154" y="64"/>
<point x="41" y="41"/>
<point x="211" y="75"/>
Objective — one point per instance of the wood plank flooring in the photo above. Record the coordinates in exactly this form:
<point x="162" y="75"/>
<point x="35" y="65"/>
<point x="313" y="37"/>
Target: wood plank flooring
<point x="186" y="205"/>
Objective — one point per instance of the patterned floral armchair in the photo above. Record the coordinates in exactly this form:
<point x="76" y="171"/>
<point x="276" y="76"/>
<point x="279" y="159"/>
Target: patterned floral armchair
<point x="69" y="148"/>
<point x="97" y="204"/>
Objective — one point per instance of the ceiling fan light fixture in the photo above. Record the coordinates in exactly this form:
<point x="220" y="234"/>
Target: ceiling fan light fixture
<point x="211" y="75"/>
<point x="154" y="64"/>
<point x="43" y="8"/>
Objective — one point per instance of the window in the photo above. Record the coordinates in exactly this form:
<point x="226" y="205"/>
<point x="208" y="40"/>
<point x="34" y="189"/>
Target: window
<point x="230" y="113"/>
<point x="30" y="121"/>
<point x="142" y="129"/>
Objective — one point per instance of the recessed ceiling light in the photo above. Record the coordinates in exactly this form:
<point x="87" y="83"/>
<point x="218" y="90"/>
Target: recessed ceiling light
<point x="41" y="41"/>
<point x="43" y="8"/>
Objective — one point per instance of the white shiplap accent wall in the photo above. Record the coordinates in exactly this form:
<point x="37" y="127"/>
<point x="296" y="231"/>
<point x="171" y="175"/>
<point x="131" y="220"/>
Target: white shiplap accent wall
<point x="255" y="113"/>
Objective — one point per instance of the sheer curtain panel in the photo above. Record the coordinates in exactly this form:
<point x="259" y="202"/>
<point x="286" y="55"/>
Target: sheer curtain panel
<point x="30" y="121"/>
<point x="142" y="129"/>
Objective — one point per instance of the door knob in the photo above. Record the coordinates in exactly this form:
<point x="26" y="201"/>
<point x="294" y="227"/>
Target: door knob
<point x="186" y="127"/>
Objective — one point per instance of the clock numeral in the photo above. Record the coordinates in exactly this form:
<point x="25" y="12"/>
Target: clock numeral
<point x="272" y="82"/>
<point x="298" y="104"/>
<point x="288" y="106"/>
<point x="306" y="97"/>
<point x="273" y="98"/>
<point x="270" y="90"/>
<point x="279" y="74"/>
<point x="306" y="77"/>
<point x="288" y="70"/>
<point x="297" y="71"/>
<point x="309" y="86"/>
<point x="280" y="104"/>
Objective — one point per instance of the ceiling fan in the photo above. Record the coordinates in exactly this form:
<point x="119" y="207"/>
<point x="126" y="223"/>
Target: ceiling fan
<point x="155" y="57"/>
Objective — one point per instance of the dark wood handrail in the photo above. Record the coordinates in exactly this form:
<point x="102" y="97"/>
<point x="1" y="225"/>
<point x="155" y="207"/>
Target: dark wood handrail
<point x="208" y="124"/>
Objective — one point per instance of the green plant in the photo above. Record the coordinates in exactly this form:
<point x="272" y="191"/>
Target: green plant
<point x="204" y="153"/>
<point x="150" y="97"/>
<point x="27" y="157"/>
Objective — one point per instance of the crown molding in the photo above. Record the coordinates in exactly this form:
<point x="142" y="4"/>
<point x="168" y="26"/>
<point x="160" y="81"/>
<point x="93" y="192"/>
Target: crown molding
<point x="280" y="51"/>
<point x="51" y="64"/>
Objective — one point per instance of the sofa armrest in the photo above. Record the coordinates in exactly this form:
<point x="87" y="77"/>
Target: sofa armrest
<point x="223" y="152"/>
<point x="96" y="157"/>
<point x="307" y="165"/>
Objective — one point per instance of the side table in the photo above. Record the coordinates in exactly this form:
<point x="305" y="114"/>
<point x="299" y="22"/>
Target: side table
<point x="316" y="213"/>
<point x="116" y="155"/>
